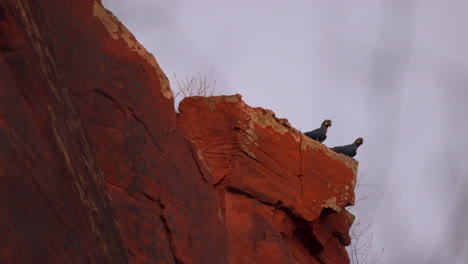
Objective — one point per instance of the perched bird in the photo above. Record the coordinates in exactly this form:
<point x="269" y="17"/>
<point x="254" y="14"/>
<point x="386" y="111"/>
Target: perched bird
<point x="349" y="150"/>
<point x="320" y="134"/>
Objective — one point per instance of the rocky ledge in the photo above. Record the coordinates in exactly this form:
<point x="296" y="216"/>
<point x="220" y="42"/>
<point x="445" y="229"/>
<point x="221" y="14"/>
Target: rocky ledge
<point x="283" y="195"/>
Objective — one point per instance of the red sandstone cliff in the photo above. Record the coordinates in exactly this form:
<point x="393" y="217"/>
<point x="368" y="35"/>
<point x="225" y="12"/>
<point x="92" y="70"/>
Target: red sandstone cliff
<point x="96" y="168"/>
<point x="282" y="193"/>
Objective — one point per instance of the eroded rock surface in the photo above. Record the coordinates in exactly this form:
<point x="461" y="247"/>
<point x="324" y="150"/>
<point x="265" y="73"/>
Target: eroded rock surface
<point x="283" y="194"/>
<point x="92" y="168"/>
<point x="96" y="168"/>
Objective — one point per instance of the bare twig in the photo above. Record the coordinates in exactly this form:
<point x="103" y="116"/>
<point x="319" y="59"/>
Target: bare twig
<point x="197" y="85"/>
<point x="361" y="248"/>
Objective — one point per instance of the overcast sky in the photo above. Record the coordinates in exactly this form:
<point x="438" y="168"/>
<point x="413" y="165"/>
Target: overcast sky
<point x="392" y="72"/>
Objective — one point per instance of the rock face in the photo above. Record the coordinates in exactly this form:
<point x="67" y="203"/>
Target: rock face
<point x="96" y="168"/>
<point x="93" y="169"/>
<point x="282" y="193"/>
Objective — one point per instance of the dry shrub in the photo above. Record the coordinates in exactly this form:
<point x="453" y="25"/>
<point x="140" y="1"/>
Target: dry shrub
<point x="197" y="85"/>
<point x="361" y="250"/>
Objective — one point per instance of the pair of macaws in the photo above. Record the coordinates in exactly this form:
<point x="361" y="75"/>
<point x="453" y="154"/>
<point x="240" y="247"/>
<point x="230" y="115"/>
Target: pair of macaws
<point x="320" y="134"/>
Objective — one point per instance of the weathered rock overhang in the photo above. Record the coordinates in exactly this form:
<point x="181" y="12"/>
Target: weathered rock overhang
<point x="271" y="177"/>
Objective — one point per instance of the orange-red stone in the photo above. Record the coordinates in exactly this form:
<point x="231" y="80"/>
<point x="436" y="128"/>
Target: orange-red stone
<point x="283" y="194"/>
<point x="96" y="168"/>
<point x="92" y="168"/>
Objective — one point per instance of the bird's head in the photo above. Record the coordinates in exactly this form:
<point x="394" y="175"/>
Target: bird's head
<point x="327" y="123"/>
<point x="359" y="142"/>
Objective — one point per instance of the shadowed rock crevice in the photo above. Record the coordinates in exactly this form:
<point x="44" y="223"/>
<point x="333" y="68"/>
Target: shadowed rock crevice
<point x="298" y="234"/>
<point x="305" y="233"/>
<point x="242" y="192"/>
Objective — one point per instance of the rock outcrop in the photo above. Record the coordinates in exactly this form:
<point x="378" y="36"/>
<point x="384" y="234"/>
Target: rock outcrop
<point x="95" y="167"/>
<point x="283" y="194"/>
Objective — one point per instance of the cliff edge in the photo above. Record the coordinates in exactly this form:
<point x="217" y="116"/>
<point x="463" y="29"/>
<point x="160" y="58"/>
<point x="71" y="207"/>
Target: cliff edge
<point x="95" y="166"/>
<point x="283" y="195"/>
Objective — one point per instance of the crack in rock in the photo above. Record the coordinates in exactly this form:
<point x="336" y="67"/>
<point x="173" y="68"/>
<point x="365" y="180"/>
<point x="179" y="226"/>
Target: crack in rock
<point x="132" y="112"/>
<point x="169" y="232"/>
